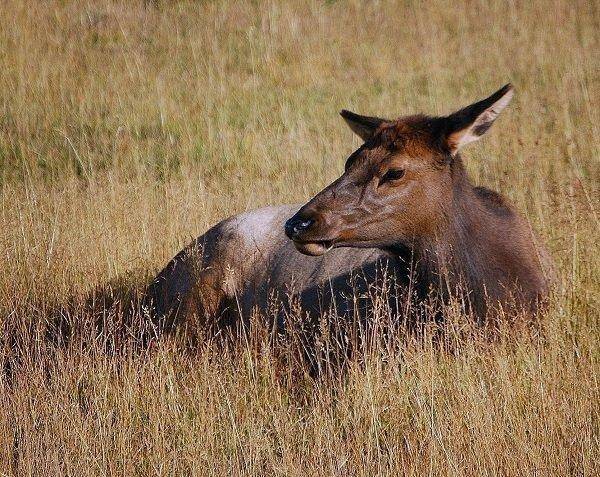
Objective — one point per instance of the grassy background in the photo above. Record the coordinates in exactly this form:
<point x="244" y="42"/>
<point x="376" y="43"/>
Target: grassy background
<point x="126" y="129"/>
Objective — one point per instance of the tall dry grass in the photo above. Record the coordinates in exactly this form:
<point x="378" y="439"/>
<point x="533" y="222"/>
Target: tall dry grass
<point x="128" y="128"/>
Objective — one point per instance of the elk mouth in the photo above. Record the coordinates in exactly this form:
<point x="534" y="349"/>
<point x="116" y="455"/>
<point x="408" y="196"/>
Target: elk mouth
<point x="314" y="248"/>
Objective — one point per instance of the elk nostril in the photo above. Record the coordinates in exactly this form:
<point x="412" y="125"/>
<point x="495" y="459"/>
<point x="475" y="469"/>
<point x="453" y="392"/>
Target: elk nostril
<point x="303" y="225"/>
<point x="296" y="225"/>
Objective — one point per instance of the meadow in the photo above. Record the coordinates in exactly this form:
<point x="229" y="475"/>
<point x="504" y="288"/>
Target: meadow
<point x="129" y="128"/>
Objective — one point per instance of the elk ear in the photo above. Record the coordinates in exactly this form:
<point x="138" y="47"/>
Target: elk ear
<point x="362" y="126"/>
<point x="470" y="123"/>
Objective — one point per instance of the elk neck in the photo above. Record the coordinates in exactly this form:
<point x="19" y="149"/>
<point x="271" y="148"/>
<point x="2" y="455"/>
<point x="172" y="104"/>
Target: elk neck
<point x="457" y="256"/>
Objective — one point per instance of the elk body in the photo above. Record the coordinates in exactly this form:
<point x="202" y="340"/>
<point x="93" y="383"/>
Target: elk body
<point x="404" y="206"/>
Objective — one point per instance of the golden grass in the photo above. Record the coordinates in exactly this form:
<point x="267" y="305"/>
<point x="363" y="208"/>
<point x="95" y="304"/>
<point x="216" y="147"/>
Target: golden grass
<point x="127" y="128"/>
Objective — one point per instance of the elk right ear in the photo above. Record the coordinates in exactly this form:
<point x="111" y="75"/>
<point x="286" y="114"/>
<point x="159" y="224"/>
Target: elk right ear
<point x="362" y="126"/>
<point x="470" y="123"/>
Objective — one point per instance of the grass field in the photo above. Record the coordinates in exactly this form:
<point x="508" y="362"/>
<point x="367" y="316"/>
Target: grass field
<point x="127" y="129"/>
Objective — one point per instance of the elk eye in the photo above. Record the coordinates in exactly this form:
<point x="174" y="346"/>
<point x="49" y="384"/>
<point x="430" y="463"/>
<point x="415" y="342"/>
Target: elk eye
<point x="392" y="175"/>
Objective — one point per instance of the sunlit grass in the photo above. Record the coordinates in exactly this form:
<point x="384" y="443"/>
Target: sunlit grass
<point x="127" y="129"/>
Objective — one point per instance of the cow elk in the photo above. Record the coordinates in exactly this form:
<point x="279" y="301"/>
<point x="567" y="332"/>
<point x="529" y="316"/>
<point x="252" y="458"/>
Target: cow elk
<point x="404" y="203"/>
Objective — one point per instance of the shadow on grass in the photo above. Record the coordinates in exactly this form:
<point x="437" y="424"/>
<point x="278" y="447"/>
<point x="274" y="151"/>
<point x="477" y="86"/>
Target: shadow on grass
<point x="112" y="319"/>
<point x="112" y="315"/>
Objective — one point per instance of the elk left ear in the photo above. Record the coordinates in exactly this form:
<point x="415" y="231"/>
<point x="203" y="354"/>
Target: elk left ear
<point x="470" y="123"/>
<point x="362" y="126"/>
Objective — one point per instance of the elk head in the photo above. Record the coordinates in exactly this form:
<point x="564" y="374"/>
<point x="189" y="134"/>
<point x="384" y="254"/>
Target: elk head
<point x="397" y="186"/>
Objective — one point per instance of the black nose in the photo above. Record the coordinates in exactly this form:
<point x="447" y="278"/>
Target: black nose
<point x="296" y="225"/>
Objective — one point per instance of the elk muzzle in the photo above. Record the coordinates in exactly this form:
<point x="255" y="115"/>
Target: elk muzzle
<point x="299" y="229"/>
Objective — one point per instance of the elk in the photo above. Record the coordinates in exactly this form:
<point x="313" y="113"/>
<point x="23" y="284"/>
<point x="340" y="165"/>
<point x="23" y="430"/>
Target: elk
<point x="404" y="202"/>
